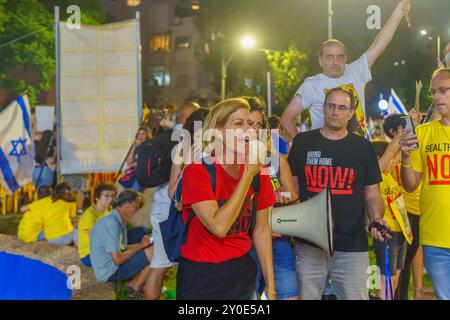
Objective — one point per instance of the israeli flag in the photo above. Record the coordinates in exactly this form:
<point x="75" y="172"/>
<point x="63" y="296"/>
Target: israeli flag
<point x="16" y="145"/>
<point x="395" y="104"/>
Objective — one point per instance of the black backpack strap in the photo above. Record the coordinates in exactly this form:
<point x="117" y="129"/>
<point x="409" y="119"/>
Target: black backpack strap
<point x="212" y="176"/>
<point x="256" y="184"/>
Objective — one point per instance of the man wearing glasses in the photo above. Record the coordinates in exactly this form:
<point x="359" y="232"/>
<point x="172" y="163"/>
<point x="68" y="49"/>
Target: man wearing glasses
<point x="336" y="73"/>
<point x="429" y="164"/>
<point x="332" y="156"/>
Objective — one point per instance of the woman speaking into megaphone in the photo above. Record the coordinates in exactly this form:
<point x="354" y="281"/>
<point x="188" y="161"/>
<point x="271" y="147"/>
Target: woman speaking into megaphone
<point x="227" y="203"/>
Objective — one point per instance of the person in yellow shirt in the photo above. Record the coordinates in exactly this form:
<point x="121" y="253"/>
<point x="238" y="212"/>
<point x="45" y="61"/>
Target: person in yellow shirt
<point x="58" y="215"/>
<point x="387" y="154"/>
<point x="392" y="127"/>
<point x="429" y="164"/>
<point x="104" y="194"/>
<point x="31" y="225"/>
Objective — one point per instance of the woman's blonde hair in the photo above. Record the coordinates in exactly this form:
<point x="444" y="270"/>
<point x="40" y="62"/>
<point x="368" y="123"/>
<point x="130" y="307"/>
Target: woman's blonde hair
<point x="219" y="114"/>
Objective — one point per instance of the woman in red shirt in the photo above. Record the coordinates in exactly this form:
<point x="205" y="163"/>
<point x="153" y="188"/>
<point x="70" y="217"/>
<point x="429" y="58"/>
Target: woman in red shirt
<point x="215" y="263"/>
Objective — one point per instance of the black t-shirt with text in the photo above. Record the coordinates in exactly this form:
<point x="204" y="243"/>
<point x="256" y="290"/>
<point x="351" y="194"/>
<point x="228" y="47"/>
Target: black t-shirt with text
<point x="347" y="166"/>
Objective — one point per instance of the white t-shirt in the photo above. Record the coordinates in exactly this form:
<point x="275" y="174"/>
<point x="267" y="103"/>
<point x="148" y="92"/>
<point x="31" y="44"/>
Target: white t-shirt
<point x="312" y="91"/>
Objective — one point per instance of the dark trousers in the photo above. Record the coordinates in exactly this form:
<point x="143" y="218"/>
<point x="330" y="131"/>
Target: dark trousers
<point x="403" y="282"/>
<point x="229" y="280"/>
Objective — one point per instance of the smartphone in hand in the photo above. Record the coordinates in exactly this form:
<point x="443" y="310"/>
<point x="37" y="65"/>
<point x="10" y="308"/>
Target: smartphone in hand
<point x="407" y="123"/>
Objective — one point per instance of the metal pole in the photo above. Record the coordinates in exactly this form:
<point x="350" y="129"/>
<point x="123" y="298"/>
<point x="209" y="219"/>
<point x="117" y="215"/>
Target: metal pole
<point x="438" y="49"/>
<point x="223" y="76"/>
<point x="269" y="94"/>
<point x="58" y="95"/>
<point x="330" y="19"/>
<point x="139" y="66"/>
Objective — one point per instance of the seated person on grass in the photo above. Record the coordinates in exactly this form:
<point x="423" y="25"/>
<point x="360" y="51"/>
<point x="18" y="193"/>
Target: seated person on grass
<point x="104" y="195"/>
<point x="31" y="225"/>
<point x="116" y="254"/>
<point x="59" y="216"/>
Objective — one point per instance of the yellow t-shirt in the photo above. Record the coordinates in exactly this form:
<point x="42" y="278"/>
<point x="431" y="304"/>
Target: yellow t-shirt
<point x="432" y="159"/>
<point x="85" y="225"/>
<point x="412" y="199"/>
<point x="390" y="191"/>
<point x="57" y="217"/>
<point x="32" y="223"/>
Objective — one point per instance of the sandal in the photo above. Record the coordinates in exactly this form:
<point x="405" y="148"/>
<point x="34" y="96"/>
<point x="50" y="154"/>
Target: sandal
<point x="133" y="294"/>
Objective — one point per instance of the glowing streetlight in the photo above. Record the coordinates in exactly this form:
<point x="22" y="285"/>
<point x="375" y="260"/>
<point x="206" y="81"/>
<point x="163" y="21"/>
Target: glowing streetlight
<point x="383" y="104"/>
<point x="248" y="42"/>
<point x="423" y="32"/>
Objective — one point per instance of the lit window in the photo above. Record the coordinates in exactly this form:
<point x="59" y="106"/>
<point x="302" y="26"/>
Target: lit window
<point x="183" y="42"/>
<point x="195" y="5"/>
<point x="160" y="43"/>
<point x="161" y="75"/>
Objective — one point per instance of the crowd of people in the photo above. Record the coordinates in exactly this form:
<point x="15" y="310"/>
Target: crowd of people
<point x="394" y="190"/>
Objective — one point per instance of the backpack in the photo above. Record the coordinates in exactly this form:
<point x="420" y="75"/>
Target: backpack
<point x="174" y="231"/>
<point x="154" y="161"/>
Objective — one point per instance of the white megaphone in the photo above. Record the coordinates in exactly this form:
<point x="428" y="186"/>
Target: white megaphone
<point x="310" y="220"/>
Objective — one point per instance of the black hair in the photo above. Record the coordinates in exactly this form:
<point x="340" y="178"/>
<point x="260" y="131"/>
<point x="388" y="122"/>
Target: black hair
<point x="392" y="122"/>
<point x="105" y="186"/>
<point x="198" y="115"/>
<point x="44" y="191"/>
<point x="339" y="89"/>
<point x="127" y="196"/>
<point x="63" y="191"/>
<point x="380" y="147"/>
<point x="274" y="121"/>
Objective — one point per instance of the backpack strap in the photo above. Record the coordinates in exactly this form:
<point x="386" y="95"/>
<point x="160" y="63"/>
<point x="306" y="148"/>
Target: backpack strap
<point x="256" y="184"/>
<point x="212" y="176"/>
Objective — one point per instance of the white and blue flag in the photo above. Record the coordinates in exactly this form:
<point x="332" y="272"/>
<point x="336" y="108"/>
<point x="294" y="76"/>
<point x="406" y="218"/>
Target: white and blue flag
<point x="395" y="104"/>
<point x="16" y="145"/>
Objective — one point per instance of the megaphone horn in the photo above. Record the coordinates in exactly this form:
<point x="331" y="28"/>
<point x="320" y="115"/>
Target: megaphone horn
<point x="310" y="220"/>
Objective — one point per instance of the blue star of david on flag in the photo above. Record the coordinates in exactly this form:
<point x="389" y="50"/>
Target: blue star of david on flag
<point x="19" y="148"/>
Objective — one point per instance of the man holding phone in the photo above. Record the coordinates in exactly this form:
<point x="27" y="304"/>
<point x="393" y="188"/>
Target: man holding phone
<point x="429" y="163"/>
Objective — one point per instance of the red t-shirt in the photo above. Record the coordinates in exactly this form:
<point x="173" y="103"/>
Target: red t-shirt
<point x="202" y="245"/>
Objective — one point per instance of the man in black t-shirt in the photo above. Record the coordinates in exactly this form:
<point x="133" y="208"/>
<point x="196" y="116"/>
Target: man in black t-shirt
<point x="331" y="156"/>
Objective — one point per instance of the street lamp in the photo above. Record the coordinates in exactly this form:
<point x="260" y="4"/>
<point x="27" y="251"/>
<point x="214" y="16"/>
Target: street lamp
<point x="330" y="19"/>
<point x="247" y="42"/>
<point x="424" y="32"/>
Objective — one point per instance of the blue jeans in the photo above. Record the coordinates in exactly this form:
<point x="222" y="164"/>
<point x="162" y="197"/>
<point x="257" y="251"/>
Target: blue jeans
<point x="86" y="261"/>
<point x="437" y="263"/>
<point x="396" y="253"/>
<point x="64" y="240"/>
<point x="137" y="262"/>
<point x="283" y="269"/>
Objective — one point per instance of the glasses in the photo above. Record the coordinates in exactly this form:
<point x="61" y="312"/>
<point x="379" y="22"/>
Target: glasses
<point x="441" y="90"/>
<point x="340" y="108"/>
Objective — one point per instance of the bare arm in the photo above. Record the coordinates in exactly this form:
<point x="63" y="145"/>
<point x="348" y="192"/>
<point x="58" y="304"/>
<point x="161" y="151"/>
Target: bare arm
<point x="410" y="178"/>
<point x="217" y="220"/>
<point x="287" y="180"/>
<point x="289" y="115"/>
<point x="119" y="258"/>
<point x="262" y="238"/>
<point x="386" y="34"/>
<point x="130" y="159"/>
<point x="390" y="153"/>
<point x="175" y="173"/>
<point x="375" y="208"/>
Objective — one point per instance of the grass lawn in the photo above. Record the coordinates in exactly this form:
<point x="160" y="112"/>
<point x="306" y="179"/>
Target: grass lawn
<point x="9" y="223"/>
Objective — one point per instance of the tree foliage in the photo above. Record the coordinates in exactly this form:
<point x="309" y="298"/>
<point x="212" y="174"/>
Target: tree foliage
<point x="27" y="43"/>
<point x="289" y="69"/>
